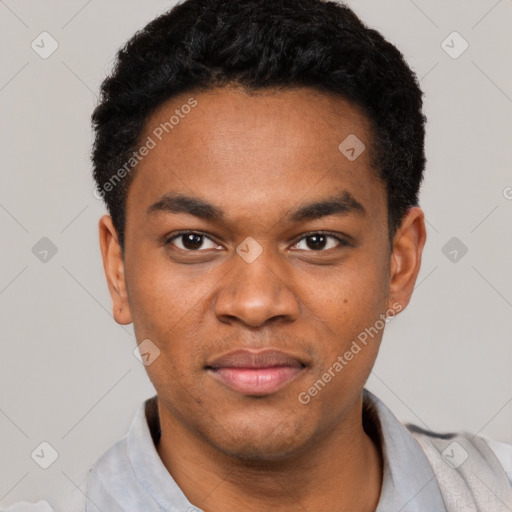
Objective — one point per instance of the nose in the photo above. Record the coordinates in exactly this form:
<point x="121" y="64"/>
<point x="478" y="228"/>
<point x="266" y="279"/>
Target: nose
<point x="256" y="293"/>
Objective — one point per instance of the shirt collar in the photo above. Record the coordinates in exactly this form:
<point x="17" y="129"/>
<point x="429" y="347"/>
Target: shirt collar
<point x="146" y="463"/>
<point x="409" y="484"/>
<point x="408" y="481"/>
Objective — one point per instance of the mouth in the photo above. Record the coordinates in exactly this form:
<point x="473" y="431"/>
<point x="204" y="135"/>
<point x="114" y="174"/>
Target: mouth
<point x="256" y="373"/>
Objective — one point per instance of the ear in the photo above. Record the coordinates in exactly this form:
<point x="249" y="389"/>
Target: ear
<point x="408" y="244"/>
<point x="113" y="265"/>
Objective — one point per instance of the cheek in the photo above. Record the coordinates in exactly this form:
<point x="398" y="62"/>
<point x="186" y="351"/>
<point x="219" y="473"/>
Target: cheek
<point x="354" y="317"/>
<point x="351" y="297"/>
<point x="351" y="306"/>
<point x="167" y="306"/>
<point x="161" y="295"/>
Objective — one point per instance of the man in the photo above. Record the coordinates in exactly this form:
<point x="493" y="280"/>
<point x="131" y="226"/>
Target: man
<point x="261" y="163"/>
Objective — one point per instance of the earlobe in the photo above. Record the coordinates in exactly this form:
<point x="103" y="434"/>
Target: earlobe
<point x="113" y="266"/>
<point x="405" y="263"/>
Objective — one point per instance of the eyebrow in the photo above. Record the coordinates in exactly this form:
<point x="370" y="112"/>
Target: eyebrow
<point x="339" y="204"/>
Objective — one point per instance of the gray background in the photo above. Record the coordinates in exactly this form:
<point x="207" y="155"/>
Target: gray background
<point x="68" y="374"/>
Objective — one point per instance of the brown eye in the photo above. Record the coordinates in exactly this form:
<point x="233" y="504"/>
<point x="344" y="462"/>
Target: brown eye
<point x="192" y="242"/>
<point x="320" y="242"/>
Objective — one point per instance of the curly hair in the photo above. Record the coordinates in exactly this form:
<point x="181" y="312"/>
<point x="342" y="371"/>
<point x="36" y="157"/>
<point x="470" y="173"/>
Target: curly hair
<point x="262" y="44"/>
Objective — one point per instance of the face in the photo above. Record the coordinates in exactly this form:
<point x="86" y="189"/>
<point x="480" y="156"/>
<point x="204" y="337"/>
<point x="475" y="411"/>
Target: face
<point x="258" y="311"/>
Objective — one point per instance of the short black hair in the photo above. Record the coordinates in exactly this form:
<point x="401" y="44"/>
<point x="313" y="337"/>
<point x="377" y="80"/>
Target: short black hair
<point x="200" y="45"/>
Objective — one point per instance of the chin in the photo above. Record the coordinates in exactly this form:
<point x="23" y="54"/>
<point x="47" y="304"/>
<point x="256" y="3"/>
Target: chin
<point x="251" y="451"/>
<point x="262" y="442"/>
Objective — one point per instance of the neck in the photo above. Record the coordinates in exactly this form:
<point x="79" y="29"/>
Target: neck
<point x="341" y="472"/>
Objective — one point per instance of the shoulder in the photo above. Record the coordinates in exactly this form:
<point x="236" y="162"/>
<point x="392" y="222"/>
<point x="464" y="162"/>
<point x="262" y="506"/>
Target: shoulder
<point x="112" y="468"/>
<point x="469" y="469"/>
<point x="455" y="445"/>
<point x="503" y="452"/>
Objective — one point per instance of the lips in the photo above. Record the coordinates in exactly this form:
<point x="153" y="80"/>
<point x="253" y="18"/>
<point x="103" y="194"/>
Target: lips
<point x="256" y="373"/>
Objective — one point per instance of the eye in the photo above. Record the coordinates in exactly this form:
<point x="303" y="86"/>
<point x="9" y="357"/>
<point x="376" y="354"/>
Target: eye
<point x="320" y="242"/>
<point x="197" y="242"/>
<point x="192" y="241"/>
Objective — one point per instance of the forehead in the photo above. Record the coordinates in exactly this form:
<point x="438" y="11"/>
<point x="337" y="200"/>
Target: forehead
<point x="237" y="149"/>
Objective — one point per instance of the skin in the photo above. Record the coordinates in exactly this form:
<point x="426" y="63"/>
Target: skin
<point x="258" y="157"/>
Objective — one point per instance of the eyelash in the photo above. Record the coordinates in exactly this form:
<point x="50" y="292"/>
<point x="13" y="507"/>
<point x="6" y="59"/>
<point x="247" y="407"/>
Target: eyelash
<point x="342" y="242"/>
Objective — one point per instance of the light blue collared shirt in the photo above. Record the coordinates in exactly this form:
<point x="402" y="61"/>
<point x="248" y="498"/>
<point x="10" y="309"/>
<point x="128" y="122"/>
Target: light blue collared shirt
<point x="131" y="477"/>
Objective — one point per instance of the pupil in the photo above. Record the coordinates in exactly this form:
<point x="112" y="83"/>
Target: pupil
<point x="318" y="241"/>
<point x="192" y="241"/>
